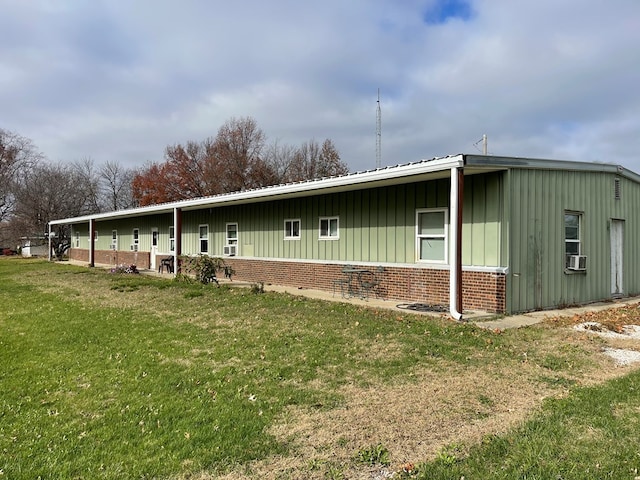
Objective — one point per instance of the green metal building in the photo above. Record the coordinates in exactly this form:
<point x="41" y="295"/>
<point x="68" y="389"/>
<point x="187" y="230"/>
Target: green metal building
<point x="466" y="231"/>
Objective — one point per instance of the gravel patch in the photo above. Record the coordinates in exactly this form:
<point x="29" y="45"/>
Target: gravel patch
<point x="622" y="357"/>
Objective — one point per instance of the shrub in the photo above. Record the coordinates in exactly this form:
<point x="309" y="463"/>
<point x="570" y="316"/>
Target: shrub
<point x="204" y="267"/>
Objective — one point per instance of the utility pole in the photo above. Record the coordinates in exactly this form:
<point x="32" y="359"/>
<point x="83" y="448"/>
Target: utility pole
<point x="378" y="134"/>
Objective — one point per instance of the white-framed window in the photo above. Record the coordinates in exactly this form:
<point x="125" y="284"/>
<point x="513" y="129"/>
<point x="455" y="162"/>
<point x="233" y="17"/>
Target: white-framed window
<point x="329" y="228"/>
<point x="232" y="234"/>
<point x="432" y="226"/>
<point x="204" y="238"/>
<point x="95" y="235"/>
<point x="292" y="229"/>
<point x="77" y="239"/>
<point x="572" y="234"/>
<point x="172" y="239"/>
<point x="135" y="244"/>
<point x="154" y="237"/>
<point x="114" y="239"/>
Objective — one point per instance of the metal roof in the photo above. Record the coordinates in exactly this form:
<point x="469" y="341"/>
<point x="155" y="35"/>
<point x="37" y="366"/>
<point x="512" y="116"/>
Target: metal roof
<point x="428" y="169"/>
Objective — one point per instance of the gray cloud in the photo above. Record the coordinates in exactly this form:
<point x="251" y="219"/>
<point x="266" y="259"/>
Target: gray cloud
<point x="122" y="80"/>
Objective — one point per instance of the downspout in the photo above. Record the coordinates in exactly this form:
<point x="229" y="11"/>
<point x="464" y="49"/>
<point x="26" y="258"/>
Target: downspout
<point x="177" y="233"/>
<point x="92" y="246"/>
<point x="455" y="243"/>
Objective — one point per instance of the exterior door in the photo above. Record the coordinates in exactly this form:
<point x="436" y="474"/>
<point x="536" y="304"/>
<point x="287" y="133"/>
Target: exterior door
<point x="617" y="244"/>
<point x="154" y="248"/>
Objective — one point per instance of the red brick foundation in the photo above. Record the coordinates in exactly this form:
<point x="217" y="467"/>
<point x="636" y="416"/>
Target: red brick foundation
<point x="480" y="290"/>
<point x="112" y="257"/>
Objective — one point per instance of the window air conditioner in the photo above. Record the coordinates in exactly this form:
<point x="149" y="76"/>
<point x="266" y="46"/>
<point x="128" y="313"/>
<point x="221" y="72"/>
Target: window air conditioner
<point x="229" y="250"/>
<point x="134" y="247"/>
<point x="577" y="262"/>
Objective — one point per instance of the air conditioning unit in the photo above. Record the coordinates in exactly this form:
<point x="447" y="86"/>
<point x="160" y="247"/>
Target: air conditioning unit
<point x="133" y="247"/>
<point x="577" y="262"/>
<point x="229" y="250"/>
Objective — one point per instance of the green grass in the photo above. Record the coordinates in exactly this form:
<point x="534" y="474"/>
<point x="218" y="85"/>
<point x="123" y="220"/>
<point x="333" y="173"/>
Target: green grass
<point x="592" y="434"/>
<point x="121" y="376"/>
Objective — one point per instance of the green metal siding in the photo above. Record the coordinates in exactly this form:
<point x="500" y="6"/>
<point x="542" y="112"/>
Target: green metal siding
<point x="376" y="225"/>
<point x="538" y="200"/>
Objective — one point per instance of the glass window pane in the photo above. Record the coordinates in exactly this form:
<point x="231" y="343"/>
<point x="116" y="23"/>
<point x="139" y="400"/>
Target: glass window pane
<point x="571" y="233"/>
<point x="571" y="220"/>
<point x="432" y="249"/>
<point x="324" y="227"/>
<point x="296" y="229"/>
<point x="204" y="246"/>
<point x="203" y="231"/>
<point x="333" y="227"/>
<point x="431" y="223"/>
<point x="572" y="248"/>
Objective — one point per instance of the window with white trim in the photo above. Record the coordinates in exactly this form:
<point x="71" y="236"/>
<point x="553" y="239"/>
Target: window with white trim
<point x="204" y="238"/>
<point x="135" y="244"/>
<point x="329" y="228"/>
<point x="232" y="234"/>
<point x="77" y="238"/>
<point x="172" y="239"/>
<point x="431" y="235"/>
<point x="292" y="229"/>
<point x="114" y="239"/>
<point x="572" y="234"/>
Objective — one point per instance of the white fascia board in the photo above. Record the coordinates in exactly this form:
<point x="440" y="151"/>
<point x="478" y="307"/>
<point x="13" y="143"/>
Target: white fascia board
<point x="352" y="181"/>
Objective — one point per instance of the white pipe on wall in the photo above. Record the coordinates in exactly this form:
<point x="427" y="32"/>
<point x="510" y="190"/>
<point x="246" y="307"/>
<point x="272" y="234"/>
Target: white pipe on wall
<point x="455" y="261"/>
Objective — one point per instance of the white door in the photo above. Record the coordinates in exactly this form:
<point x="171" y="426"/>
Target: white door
<point x="617" y="242"/>
<point x="154" y="248"/>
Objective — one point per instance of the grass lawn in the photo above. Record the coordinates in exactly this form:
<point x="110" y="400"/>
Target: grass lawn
<point x="106" y="376"/>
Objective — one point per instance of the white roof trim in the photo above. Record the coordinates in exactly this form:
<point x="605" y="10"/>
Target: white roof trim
<point x="352" y="181"/>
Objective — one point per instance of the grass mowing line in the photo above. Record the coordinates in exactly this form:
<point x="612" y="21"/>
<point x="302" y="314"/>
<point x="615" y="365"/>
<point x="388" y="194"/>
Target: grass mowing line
<point x="591" y="434"/>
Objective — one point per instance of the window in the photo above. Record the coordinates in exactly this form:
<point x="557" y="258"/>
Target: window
<point x="431" y="235"/>
<point x="114" y="239"/>
<point x="204" y="238"/>
<point x="329" y="228"/>
<point x="292" y="229"/>
<point x="135" y="245"/>
<point x="172" y="239"/>
<point x="572" y="234"/>
<point x="154" y="237"/>
<point x="95" y="235"/>
<point x="77" y="239"/>
<point x="232" y="234"/>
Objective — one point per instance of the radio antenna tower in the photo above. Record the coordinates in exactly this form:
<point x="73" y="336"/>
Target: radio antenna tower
<point x="378" y="134"/>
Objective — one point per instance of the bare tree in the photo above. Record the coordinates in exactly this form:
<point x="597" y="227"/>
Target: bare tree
<point x="50" y="192"/>
<point x="313" y="161"/>
<point x="238" y="154"/>
<point x="115" y="183"/>
<point x="17" y="155"/>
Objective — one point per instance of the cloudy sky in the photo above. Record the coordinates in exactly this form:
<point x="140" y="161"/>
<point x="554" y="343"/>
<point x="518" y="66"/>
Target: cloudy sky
<point x="122" y="79"/>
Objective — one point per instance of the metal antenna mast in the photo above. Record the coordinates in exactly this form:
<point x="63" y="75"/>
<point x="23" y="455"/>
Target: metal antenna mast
<point x="378" y="134"/>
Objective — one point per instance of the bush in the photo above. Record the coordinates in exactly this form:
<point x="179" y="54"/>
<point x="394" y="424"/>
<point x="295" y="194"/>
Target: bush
<point x="204" y="267"/>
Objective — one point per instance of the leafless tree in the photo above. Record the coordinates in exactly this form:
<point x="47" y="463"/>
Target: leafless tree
<point x="312" y="161"/>
<point x="115" y="182"/>
<point x="17" y="155"/>
<point x="50" y="192"/>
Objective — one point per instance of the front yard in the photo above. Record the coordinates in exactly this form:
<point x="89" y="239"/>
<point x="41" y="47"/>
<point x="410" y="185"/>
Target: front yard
<point x="124" y="376"/>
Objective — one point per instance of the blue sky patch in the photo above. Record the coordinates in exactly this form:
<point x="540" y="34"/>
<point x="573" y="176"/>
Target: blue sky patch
<point x="445" y="10"/>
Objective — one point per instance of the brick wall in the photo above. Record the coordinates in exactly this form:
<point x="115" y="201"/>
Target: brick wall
<point x="112" y="257"/>
<point x="480" y="290"/>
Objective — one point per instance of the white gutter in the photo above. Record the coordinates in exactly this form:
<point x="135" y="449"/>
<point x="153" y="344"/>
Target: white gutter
<point x="456" y="262"/>
<point x="352" y="181"/>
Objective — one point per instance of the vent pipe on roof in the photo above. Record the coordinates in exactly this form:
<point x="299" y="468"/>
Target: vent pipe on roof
<point x="455" y="244"/>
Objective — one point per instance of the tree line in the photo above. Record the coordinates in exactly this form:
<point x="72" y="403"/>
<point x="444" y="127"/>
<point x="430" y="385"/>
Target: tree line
<point x="34" y="191"/>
